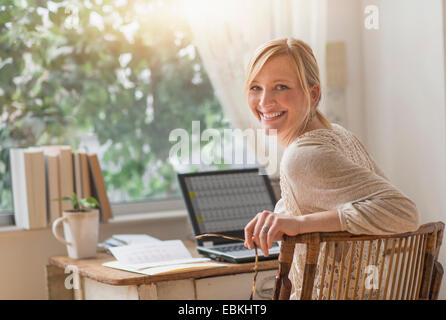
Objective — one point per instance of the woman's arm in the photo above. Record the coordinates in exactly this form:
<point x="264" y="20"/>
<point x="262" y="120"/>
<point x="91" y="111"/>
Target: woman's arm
<point x="324" y="178"/>
<point x="352" y="198"/>
<point x="279" y="224"/>
<point x="324" y="221"/>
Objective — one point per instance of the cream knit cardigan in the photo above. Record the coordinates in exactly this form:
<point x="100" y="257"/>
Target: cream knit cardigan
<point x="327" y="169"/>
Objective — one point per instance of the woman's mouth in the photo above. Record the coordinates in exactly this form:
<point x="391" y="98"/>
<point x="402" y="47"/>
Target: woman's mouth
<point x="270" y="116"/>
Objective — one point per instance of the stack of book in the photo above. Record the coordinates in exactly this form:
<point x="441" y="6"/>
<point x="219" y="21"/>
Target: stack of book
<point x="41" y="174"/>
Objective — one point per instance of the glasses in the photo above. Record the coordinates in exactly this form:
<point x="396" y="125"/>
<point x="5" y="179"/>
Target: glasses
<point x="256" y="264"/>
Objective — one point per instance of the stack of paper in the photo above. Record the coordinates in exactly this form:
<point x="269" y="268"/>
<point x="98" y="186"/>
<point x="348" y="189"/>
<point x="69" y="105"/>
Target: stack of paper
<point x="134" y="238"/>
<point x="118" y="240"/>
<point x="157" y="257"/>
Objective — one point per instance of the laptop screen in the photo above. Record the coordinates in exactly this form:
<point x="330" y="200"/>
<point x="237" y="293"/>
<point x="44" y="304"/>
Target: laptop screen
<point x="225" y="201"/>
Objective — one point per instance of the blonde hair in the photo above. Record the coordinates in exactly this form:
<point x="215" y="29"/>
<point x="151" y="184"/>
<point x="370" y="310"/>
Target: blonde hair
<point x="306" y="67"/>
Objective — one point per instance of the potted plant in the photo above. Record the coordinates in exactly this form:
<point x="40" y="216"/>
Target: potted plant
<point x="81" y="227"/>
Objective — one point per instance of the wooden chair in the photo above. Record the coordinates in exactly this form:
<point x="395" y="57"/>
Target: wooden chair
<point x="406" y="265"/>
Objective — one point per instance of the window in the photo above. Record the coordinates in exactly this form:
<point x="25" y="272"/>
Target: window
<point x="114" y="77"/>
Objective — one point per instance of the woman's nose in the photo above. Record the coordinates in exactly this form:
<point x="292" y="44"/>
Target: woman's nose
<point x="267" y="100"/>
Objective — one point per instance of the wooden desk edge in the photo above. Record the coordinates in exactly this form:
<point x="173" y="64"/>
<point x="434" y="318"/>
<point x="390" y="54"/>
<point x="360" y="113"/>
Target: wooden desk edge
<point x="87" y="267"/>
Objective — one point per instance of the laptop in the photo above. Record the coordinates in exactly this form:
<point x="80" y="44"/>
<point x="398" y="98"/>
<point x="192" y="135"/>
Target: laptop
<point x="224" y="202"/>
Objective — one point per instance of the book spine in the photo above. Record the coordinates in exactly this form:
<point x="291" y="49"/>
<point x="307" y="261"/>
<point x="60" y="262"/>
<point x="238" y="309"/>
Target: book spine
<point x="77" y="175"/>
<point x="99" y="187"/>
<point x="52" y="173"/>
<point x="66" y="176"/>
<point x="85" y="175"/>
<point x="29" y="189"/>
<point x="35" y="188"/>
<point x="39" y="189"/>
<point x="19" y="188"/>
<point x="47" y="189"/>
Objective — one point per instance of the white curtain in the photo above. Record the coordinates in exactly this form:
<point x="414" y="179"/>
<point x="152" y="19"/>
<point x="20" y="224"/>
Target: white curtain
<point x="226" y="33"/>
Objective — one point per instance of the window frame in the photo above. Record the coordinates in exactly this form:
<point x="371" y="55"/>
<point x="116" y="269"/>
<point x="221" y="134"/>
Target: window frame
<point x="6" y="219"/>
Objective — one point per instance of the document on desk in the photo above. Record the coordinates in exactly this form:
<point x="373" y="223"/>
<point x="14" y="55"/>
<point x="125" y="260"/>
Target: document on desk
<point x="134" y="238"/>
<point x="157" y="257"/>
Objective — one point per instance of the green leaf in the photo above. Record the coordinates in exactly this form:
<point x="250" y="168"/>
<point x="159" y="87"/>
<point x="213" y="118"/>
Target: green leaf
<point x="4" y="17"/>
<point x="75" y="202"/>
<point x="63" y="199"/>
<point x="89" y="202"/>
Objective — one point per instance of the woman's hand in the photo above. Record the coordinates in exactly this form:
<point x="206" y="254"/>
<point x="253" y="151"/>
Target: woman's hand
<point x="267" y="227"/>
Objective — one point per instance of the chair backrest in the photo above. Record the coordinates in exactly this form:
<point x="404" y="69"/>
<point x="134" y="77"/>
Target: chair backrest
<point x="348" y="266"/>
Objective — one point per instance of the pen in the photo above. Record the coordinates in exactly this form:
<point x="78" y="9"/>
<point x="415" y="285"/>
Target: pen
<point x="109" y="244"/>
<point x="119" y="240"/>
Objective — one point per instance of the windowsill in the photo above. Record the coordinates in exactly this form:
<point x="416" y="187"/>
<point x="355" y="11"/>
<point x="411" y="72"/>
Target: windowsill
<point x="122" y="219"/>
<point x="161" y="215"/>
<point x="10" y="229"/>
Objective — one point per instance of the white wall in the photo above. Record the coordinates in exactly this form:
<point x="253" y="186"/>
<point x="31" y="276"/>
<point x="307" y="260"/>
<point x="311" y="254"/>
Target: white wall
<point x="404" y="102"/>
<point x="395" y="96"/>
<point x="344" y="24"/>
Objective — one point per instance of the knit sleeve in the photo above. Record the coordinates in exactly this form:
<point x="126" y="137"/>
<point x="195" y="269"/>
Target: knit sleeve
<point x="366" y="202"/>
<point x="280" y="207"/>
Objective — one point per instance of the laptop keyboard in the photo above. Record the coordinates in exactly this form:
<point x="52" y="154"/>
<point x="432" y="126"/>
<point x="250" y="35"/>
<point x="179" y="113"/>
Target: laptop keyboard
<point x="237" y="247"/>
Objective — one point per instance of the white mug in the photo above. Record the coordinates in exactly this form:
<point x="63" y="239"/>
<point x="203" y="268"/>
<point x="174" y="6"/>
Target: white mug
<point x="81" y="231"/>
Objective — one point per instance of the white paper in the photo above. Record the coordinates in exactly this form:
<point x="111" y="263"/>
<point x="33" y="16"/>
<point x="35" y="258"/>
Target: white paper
<point x="185" y="267"/>
<point x="135" y="238"/>
<point x="146" y="255"/>
<point x="164" y="269"/>
<point x="141" y="266"/>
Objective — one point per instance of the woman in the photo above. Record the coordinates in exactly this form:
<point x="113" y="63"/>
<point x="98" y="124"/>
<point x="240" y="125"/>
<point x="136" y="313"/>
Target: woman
<point x="328" y="180"/>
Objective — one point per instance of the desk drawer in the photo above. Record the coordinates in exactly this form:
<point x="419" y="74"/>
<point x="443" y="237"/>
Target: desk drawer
<point x="236" y="287"/>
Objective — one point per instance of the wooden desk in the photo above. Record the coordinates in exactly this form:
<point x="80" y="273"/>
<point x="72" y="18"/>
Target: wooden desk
<point x="98" y="282"/>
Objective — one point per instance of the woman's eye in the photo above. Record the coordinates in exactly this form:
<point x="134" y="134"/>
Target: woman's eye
<point x="281" y="87"/>
<point x="278" y="87"/>
<point x="255" y="88"/>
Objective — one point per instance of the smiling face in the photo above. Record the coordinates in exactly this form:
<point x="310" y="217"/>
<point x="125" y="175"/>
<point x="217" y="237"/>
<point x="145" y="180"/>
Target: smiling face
<point x="276" y="98"/>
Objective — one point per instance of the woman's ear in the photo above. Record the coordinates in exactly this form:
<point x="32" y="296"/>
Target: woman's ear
<point x="315" y="94"/>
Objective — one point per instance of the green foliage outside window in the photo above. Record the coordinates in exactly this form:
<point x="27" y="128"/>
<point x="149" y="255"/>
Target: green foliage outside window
<point x="125" y="71"/>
